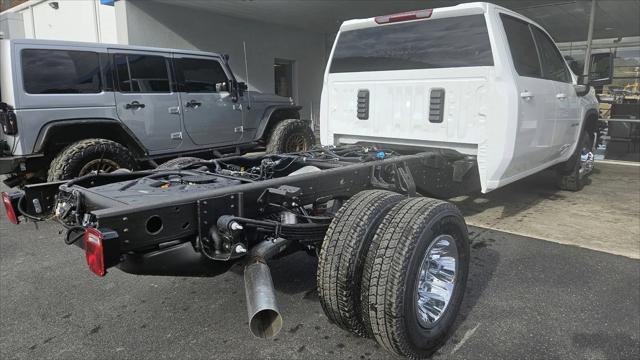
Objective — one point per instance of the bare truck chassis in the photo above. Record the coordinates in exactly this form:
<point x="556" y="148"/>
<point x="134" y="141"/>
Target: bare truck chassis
<point x="203" y="216"/>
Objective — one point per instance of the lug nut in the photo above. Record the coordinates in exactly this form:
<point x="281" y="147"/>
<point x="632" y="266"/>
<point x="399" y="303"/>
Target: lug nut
<point x="235" y="226"/>
<point x="240" y="249"/>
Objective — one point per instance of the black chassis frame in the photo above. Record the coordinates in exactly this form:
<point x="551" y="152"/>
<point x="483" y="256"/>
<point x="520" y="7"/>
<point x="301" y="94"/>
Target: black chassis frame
<point x="195" y="217"/>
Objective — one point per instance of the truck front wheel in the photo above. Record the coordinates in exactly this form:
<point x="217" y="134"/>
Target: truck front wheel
<point x="415" y="276"/>
<point x="572" y="175"/>
<point x="290" y="135"/>
<point x="85" y="156"/>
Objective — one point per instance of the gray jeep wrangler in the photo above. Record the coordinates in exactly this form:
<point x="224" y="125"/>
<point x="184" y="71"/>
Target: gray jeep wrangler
<point x="71" y="108"/>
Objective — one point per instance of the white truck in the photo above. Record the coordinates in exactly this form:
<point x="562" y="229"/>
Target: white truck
<point x="475" y="78"/>
<point x="425" y="103"/>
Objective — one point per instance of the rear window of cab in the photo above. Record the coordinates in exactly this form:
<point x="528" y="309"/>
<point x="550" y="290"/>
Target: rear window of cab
<point x="461" y="41"/>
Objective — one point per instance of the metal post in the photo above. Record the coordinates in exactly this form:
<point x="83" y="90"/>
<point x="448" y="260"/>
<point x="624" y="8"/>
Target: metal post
<point x="587" y="55"/>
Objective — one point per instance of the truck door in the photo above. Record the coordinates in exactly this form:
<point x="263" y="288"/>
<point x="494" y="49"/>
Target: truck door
<point x="209" y="113"/>
<point x="146" y="101"/>
<point x="536" y="99"/>
<point x="555" y="70"/>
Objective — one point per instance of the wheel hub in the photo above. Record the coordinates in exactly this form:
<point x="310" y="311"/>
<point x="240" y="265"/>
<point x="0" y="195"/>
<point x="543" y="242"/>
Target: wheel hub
<point x="436" y="280"/>
<point x="101" y="165"/>
<point x="296" y="143"/>
<point x="586" y="162"/>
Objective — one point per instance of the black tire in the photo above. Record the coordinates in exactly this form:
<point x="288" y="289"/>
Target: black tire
<point x="81" y="157"/>
<point x="290" y="135"/>
<point x="342" y="256"/>
<point x="391" y="269"/>
<point x="178" y="163"/>
<point x="568" y="175"/>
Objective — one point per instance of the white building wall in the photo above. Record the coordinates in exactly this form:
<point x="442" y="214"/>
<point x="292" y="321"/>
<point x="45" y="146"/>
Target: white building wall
<point x="155" y="24"/>
<point x="73" y="20"/>
<point x="11" y="26"/>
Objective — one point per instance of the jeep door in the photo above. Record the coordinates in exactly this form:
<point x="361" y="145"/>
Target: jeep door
<point x="536" y="113"/>
<point x="146" y="99"/>
<point x="210" y="115"/>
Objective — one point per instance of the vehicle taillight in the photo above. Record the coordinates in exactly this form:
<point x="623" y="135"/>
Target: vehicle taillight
<point x="94" y="251"/>
<point x="8" y="206"/>
<point x="405" y="16"/>
<point x="8" y="120"/>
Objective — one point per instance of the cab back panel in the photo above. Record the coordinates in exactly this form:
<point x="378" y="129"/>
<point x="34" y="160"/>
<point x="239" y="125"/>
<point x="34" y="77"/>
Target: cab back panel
<point x="400" y="105"/>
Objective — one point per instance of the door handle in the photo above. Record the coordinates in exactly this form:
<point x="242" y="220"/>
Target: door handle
<point x="526" y="95"/>
<point x="134" y="105"/>
<point x="193" y="104"/>
<point x="561" y="96"/>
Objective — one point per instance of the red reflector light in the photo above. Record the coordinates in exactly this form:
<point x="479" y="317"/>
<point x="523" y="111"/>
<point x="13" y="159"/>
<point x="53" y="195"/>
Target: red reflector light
<point x="405" y="16"/>
<point x="94" y="251"/>
<point x="8" y="207"/>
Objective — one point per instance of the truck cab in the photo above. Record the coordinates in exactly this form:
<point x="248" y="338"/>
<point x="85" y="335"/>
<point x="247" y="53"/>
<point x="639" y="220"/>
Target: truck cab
<point x="476" y="79"/>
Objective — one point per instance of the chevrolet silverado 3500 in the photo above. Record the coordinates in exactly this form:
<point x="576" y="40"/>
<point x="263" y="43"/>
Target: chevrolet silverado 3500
<point x="415" y="106"/>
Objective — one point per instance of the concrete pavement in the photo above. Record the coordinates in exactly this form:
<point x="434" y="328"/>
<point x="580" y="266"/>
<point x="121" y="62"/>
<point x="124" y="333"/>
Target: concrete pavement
<point x="527" y="298"/>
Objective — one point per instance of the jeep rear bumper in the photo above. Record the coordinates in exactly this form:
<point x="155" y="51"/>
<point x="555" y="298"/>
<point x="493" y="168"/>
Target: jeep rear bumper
<point x="13" y="164"/>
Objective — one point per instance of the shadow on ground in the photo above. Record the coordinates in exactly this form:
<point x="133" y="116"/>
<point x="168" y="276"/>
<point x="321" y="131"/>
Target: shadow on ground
<point x="513" y="198"/>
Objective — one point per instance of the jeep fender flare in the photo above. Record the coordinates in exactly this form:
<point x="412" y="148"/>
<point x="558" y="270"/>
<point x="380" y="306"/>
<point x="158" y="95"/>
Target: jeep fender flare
<point x="267" y="121"/>
<point x="59" y="133"/>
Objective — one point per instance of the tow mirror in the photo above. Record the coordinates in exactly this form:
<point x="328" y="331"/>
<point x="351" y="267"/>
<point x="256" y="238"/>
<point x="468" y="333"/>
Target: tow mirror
<point x="582" y="87"/>
<point x="601" y="69"/>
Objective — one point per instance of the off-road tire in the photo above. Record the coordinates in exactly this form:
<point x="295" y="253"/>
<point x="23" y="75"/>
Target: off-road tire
<point x="342" y="255"/>
<point x="178" y="163"/>
<point x="391" y="268"/>
<point x="280" y="139"/>
<point x="70" y="161"/>
<point x="568" y="173"/>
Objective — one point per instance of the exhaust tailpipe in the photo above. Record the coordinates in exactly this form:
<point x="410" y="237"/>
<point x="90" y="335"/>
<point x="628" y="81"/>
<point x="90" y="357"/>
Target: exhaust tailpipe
<point x="265" y="320"/>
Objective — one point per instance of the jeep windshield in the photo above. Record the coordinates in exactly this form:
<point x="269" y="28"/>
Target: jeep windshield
<point x="424" y="44"/>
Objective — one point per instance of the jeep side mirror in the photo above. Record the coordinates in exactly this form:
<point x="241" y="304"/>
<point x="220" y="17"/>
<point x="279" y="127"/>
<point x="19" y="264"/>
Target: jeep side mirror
<point x="237" y="89"/>
<point x="601" y="69"/>
<point x="242" y="87"/>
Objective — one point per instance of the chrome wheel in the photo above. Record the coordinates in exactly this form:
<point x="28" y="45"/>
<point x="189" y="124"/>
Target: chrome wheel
<point x="436" y="280"/>
<point x="104" y="165"/>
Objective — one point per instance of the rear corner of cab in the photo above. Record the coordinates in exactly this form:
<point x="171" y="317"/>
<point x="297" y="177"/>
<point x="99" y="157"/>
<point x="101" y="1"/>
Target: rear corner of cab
<point x="496" y="154"/>
<point x="328" y="88"/>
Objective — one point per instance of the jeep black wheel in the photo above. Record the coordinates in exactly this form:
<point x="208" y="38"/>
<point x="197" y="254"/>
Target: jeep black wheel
<point x="85" y="156"/>
<point x="344" y="249"/>
<point x="291" y="135"/>
<point x="415" y="276"/>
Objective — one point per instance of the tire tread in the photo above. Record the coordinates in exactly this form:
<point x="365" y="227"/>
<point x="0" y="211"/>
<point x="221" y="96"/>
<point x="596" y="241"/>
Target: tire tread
<point x="343" y="252"/>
